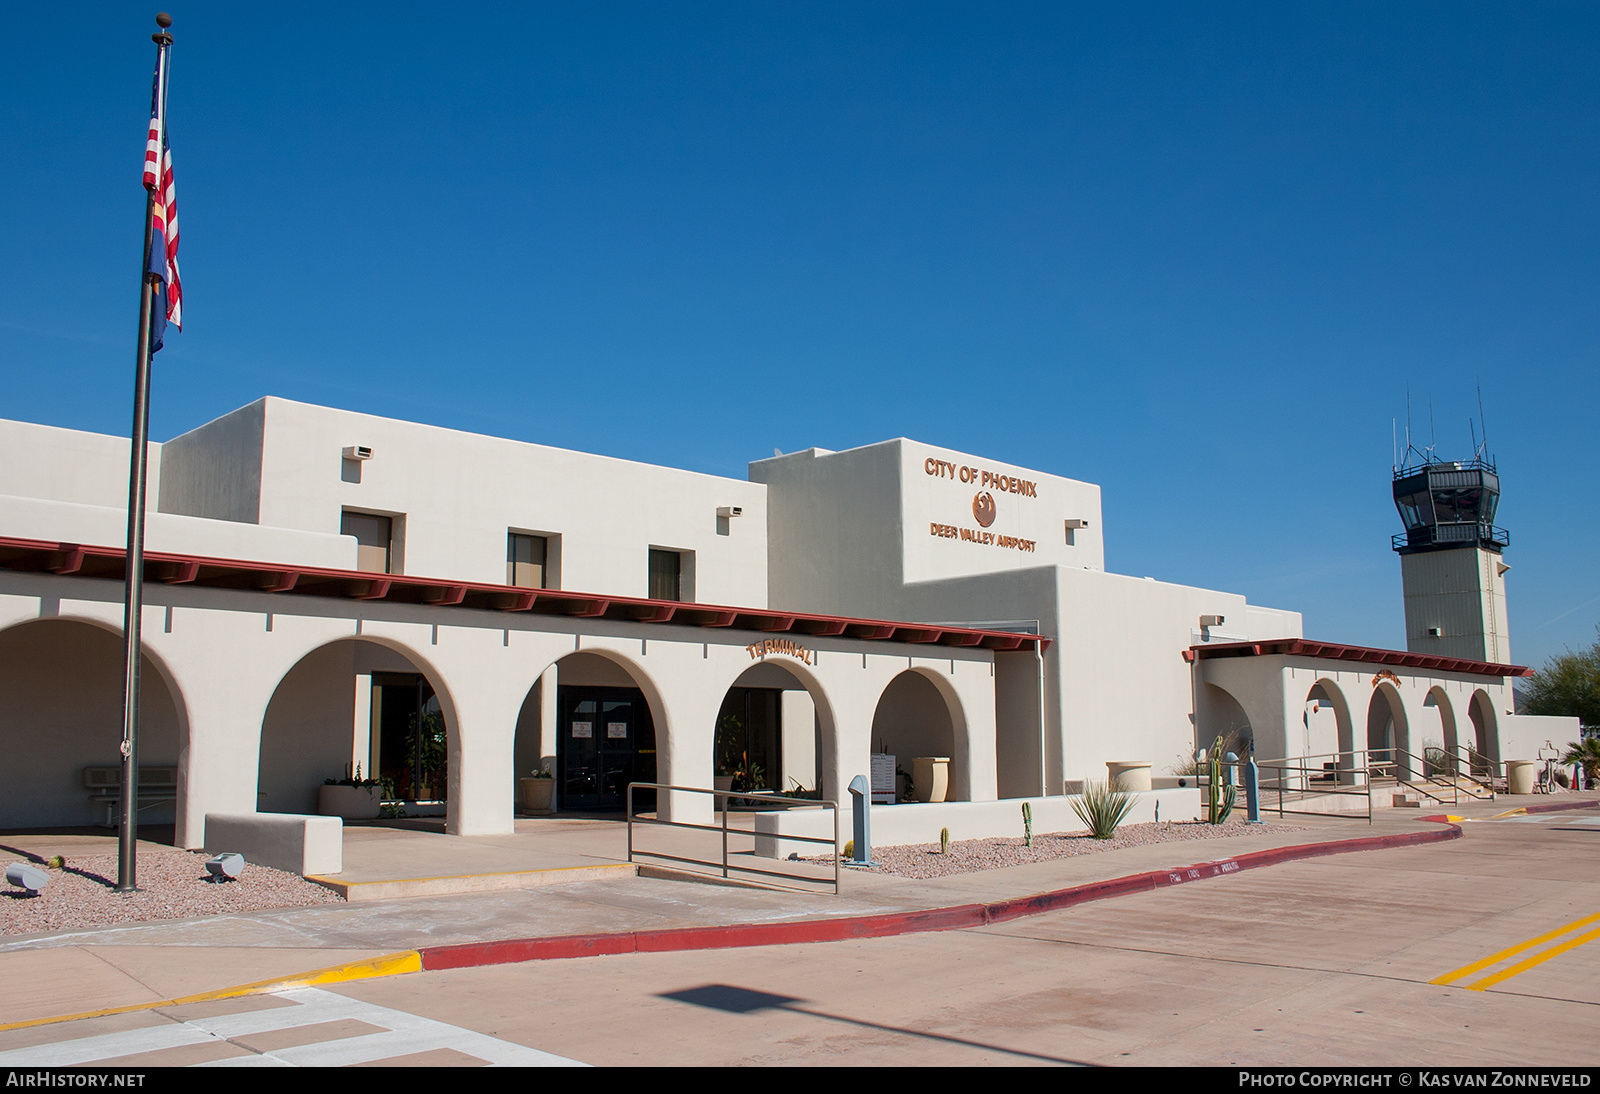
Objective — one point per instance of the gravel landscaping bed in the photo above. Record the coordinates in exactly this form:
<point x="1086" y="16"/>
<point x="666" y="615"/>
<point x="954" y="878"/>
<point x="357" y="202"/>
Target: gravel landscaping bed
<point x="923" y="860"/>
<point x="172" y="885"/>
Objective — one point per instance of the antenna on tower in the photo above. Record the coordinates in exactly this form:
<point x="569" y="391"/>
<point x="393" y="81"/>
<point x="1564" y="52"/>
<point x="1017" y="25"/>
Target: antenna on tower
<point x="1408" y="423"/>
<point x="1483" y="425"/>
<point x="1394" y="446"/>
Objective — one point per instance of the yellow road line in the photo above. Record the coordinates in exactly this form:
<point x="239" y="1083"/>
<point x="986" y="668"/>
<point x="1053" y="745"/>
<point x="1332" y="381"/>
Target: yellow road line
<point x="1496" y="958"/>
<point x="392" y="964"/>
<point x="1537" y="959"/>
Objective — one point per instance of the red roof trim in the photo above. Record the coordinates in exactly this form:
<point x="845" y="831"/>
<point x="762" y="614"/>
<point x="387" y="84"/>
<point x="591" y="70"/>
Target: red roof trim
<point x="40" y="556"/>
<point x="1299" y="647"/>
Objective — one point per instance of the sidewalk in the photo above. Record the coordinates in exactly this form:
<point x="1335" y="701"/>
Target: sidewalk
<point x="77" y="972"/>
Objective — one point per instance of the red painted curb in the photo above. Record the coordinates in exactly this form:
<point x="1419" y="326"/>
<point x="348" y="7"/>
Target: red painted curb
<point x="958" y="917"/>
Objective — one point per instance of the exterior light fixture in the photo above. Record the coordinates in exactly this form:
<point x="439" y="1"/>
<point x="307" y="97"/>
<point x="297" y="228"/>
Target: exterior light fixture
<point x="1213" y="620"/>
<point x="25" y="875"/>
<point x="226" y="866"/>
<point x="357" y="452"/>
<point x="726" y="511"/>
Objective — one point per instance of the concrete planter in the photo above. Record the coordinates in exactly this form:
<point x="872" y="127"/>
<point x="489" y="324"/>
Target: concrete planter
<point x="1130" y="775"/>
<point x="931" y="774"/>
<point x="1520" y="776"/>
<point x="352" y="803"/>
<point x="538" y="796"/>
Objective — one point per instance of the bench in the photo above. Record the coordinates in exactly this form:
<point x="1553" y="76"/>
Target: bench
<point x="158" y="785"/>
<point x="295" y="842"/>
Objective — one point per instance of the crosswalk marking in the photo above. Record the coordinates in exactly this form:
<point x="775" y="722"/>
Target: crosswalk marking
<point x="399" y="1034"/>
<point x="105" y="1046"/>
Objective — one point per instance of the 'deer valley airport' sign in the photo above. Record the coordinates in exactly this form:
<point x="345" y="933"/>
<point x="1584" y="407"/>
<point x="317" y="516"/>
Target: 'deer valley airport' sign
<point x="984" y="507"/>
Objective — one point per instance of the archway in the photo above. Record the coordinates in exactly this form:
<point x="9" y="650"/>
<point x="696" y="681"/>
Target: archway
<point x="1485" y="733"/>
<point x="1388" y="733"/>
<point x="357" y="705"/>
<point x="1328" y="728"/>
<point x="1221" y="715"/>
<point x="769" y="734"/>
<point x="1437" y="705"/>
<point x="61" y="691"/>
<point x="915" y="718"/>
<point x="598" y="730"/>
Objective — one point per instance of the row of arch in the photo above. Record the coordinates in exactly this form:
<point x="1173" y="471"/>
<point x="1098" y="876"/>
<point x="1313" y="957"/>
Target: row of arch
<point x="61" y="695"/>
<point x="1328" y="722"/>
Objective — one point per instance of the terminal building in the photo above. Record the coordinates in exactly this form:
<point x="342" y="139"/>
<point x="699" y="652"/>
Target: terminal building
<point x="448" y="612"/>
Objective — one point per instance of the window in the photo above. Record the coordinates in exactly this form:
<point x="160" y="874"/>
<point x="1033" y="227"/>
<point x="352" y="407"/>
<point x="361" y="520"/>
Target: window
<point x="666" y="575"/>
<point x="374" y="537"/>
<point x="525" y="560"/>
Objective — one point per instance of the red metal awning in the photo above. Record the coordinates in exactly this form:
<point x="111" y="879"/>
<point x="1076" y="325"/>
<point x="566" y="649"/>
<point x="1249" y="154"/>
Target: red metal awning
<point x="83" y="560"/>
<point x="1333" y="651"/>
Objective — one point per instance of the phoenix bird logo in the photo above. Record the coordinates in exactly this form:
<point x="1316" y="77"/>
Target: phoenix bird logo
<point x="983" y="509"/>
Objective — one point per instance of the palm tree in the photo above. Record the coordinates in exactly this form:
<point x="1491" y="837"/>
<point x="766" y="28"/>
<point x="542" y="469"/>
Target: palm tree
<point x="1587" y="753"/>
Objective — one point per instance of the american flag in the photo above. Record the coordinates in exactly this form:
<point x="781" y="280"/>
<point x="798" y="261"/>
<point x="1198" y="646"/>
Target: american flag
<point x="163" y="257"/>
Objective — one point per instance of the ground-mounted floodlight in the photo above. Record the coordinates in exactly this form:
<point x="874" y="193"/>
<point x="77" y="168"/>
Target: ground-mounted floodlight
<point x="226" y="866"/>
<point x="25" y="875"/>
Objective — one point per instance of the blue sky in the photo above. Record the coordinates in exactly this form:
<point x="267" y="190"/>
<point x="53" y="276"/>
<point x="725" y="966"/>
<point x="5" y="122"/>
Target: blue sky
<point x="1195" y="253"/>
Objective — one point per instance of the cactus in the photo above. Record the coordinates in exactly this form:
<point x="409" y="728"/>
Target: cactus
<point x="850" y="849"/>
<point x="1219" y="799"/>
<point x="1027" y="824"/>
<point x="944" y="841"/>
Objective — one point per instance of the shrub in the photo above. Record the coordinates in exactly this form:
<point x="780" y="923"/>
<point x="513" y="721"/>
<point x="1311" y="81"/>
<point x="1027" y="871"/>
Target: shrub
<point x="1102" y="807"/>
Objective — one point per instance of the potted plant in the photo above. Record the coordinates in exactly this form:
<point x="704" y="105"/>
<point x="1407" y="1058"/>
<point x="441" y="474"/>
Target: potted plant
<point x="730" y="751"/>
<point x="539" y="792"/>
<point x="351" y="798"/>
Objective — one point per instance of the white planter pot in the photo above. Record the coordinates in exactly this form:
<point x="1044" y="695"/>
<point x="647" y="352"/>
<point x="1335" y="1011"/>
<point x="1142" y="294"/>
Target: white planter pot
<point x="1128" y="775"/>
<point x="931" y="775"/>
<point x="353" y="803"/>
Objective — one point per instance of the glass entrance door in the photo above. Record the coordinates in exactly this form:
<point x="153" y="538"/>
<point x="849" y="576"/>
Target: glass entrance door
<point x="607" y="741"/>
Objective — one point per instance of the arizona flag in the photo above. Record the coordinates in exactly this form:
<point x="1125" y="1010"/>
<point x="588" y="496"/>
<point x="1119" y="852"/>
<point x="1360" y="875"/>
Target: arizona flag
<point x="162" y="261"/>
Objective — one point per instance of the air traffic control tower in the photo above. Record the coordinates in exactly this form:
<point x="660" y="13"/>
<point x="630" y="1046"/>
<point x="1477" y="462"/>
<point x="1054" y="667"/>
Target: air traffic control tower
<point x="1450" y="560"/>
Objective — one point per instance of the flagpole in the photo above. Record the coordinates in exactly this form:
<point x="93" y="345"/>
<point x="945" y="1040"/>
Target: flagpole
<point x="127" y="868"/>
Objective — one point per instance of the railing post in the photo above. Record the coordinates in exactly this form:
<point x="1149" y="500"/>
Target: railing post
<point x="1252" y="791"/>
<point x="835" y="848"/>
<point x="630" y="822"/>
<point x="724" y="835"/>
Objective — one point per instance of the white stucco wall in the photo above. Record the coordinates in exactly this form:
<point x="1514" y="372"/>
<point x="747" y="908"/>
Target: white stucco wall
<point x="42" y="461"/>
<point x="460" y="493"/>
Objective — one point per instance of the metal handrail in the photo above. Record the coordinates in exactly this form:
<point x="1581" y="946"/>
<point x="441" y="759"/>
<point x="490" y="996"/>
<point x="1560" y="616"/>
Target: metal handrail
<point x="1354" y="773"/>
<point x="1455" y="776"/>
<point x="726" y="797"/>
<point x="1347" y="766"/>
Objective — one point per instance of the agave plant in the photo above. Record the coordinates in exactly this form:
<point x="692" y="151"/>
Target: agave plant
<point x="1102" y="807"/>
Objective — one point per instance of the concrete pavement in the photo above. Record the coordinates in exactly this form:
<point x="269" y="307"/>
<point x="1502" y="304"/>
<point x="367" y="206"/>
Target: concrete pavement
<point x="69" y="973"/>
